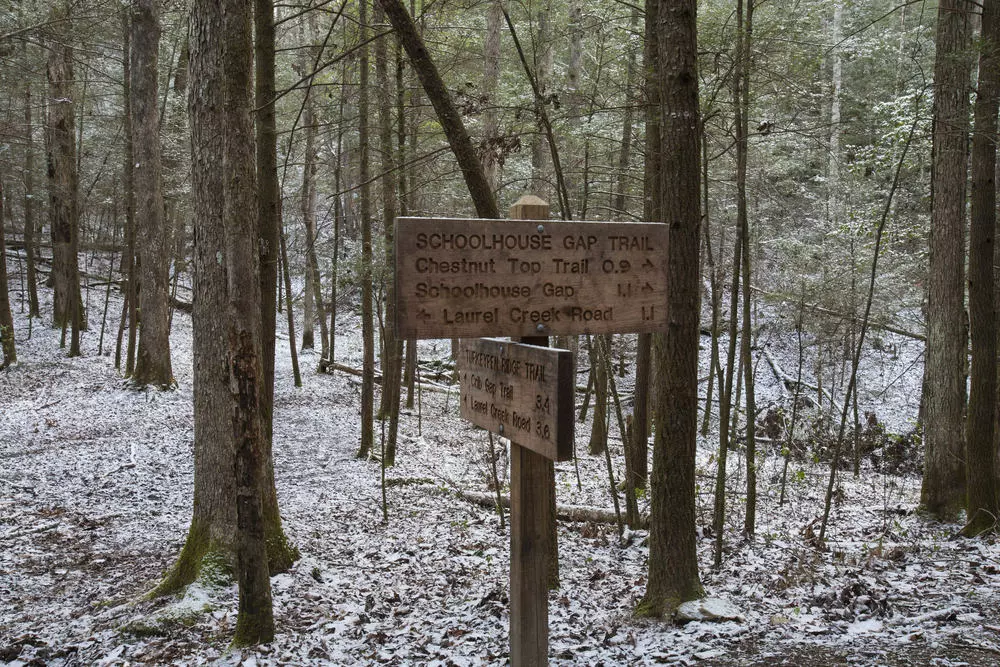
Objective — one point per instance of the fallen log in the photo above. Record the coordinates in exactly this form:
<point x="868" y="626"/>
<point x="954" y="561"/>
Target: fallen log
<point x="575" y="513"/>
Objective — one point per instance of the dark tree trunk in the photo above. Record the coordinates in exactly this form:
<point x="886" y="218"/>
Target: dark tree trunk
<point x="280" y="554"/>
<point x="393" y="347"/>
<point x="741" y="106"/>
<point x="367" y="305"/>
<point x="673" y="558"/>
<point x="63" y="179"/>
<point x="6" y="318"/>
<point x="128" y="185"/>
<point x="29" y="206"/>
<point x="597" y="347"/>
<point x="152" y="364"/>
<point x="980" y="464"/>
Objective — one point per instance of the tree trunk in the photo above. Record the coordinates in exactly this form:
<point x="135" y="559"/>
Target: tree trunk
<point x="63" y="182"/>
<point x="673" y="558"/>
<point x="229" y="522"/>
<point x="391" y="367"/>
<point x="596" y="346"/>
<point x="29" y="205"/>
<point x="543" y="71"/>
<point x="491" y="150"/>
<point x="744" y="31"/>
<point x="131" y="306"/>
<point x="152" y="364"/>
<point x="367" y="299"/>
<point x="6" y="318"/>
<point x="280" y="554"/>
<point x="943" y="490"/>
<point x="980" y="463"/>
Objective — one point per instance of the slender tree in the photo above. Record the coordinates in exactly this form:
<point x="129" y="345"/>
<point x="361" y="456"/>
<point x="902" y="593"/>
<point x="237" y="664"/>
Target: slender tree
<point x="367" y="298"/>
<point x="393" y="347"/>
<point x="7" y="347"/>
<point x="29" y="204"/>
<point x="130" y="309"/>
<point x="280" y="554"/>
<point x="744" y="31"/>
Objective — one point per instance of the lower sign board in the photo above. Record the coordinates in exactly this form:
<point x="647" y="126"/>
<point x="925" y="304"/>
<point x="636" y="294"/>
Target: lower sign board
<point x="468" y="278"/>
<point x="523" y="392"/>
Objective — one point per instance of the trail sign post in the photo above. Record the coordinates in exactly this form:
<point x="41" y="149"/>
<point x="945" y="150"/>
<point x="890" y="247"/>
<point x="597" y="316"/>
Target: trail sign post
<point x="528" y="277"/>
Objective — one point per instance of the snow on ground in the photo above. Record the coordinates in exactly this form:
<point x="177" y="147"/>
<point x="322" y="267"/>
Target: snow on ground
<point x="95" y="494"/>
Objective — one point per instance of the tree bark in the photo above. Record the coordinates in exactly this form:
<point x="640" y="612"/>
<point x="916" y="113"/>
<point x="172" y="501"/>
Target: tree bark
<point x="131" y="306"/>
<point x="152" y="364"/>
<point x="280" y="554"/>
<point x="391" y="367"/>
<point x="673" y="558"/>
<point x="6" y="318"/>
<point x="63" y="181"/>
<point x="943" y="490"/>
<point x="29" y="205"/>
<point x="491" y="79"/>
<point x="980" y="462"/>
<point x="367" y="299"/>
<point x="229" y="523"/>
<point x="597" y="346"/>
<point x="744" y="29"/>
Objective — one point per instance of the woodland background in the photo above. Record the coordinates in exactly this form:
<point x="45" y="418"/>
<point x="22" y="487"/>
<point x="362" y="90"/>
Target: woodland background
<point x="840" y="165"/>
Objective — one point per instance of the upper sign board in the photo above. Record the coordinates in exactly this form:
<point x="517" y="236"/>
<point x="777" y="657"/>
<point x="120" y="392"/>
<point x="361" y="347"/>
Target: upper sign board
<point x="470" y="278"/>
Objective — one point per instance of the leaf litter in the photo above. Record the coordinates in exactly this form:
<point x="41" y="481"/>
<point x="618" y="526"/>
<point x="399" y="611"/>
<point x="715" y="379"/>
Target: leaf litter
<point x="95" y="500"/>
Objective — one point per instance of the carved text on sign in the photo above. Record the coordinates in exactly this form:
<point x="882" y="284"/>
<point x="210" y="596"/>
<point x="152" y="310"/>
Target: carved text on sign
<point x="467" y="278"/>
<point x="514" y="390"/>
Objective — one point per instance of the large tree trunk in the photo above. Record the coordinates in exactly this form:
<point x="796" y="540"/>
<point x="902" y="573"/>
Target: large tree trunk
<point x="67" y="306"/>
<point x="980" y="464"/>
<point x="229" y="522"/>
<point x="152" y="364"/>
<point x="673" y="558"/>
<point x="943" y="490"/>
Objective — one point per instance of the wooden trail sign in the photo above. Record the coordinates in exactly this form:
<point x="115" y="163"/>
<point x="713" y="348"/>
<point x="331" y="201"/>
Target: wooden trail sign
<point x="523" y="392"/>
<point x="459" y="278"/>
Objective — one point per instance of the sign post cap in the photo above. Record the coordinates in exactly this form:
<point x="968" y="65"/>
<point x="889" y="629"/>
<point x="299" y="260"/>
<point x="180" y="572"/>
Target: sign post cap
<point x="530" y="207"/>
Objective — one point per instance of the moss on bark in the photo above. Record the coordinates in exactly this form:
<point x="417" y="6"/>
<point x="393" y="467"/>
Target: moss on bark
<point x="200" y="558"/>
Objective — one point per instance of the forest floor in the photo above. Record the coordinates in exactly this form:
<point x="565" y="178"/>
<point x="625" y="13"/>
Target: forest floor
<point x="95" y="501"/>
